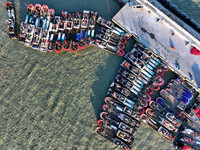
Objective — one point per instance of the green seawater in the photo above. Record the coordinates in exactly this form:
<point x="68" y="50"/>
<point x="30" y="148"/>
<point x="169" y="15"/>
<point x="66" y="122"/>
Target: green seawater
<point x="52" y="101"/>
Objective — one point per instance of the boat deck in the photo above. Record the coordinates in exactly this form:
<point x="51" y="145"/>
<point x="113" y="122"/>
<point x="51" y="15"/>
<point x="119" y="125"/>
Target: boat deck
<point x="159" y="33"/>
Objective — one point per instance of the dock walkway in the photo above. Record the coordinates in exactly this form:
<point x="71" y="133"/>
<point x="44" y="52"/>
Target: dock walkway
<point x="164" y="33"/>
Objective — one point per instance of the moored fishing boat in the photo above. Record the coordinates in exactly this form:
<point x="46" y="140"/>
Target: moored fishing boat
<point x="44" y="17"/>
<point x="145" y="97"/>
<point x="30" y="12"/>
<point x="110" y="48"/>
<point x="69" y="21"/>
<point x="164" y="67"/>
<point x="121" y="117"/>
<point x="155" y="116"/>
<point x="92" y="20"/>
<point x="170" y="117"/>
<point x="44" y="39"/>
<point x="132" y="68"/>
<point x="54" y="24"/>
<point x="22" y="32"/>
<point x="67" y="41"/>
<point x="121" y="98"/>
<point x="36" y="17"/>
<point x="116" y="87"/>
<point x="59" y="42"/>
<point x="131" y="77"/>
<point x="29" y="37"/>
<point x="129" y="138"/>
<point x="11" y="22"/>
<point x="75" y="42"/>
<point x="105" y="23"/>
<point x="120" y="125"/>
<point x="50" y="19"/>
<point x="148" y="90"/>
<point x="109" y="136"/>
<point x="112" y="105"/>
<point x="36" y="38"/>
<point x="110" y="41"/>
<point x="77" y="20"/>
<point x="160" y="72"/>
<point x="160" y="81"/>
<point x="153" y="124"/>
<point x="155" y="86"/>
<point x="52" y="41"/>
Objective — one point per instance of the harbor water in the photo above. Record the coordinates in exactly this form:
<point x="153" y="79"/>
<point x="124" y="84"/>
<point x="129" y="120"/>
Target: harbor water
<point x="52" y="101"/>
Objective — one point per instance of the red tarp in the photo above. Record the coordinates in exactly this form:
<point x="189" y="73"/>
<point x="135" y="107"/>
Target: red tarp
<point x="195" y="51"/>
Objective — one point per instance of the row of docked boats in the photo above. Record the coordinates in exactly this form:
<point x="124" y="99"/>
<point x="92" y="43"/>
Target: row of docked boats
<point x="110" y="38"/>
<point x="174" y="113"/>
<point x="126" y="100"/>
<point x="44" y="31"/>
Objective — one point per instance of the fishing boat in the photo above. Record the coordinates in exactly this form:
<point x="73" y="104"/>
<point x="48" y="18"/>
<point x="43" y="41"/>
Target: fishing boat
<point x="142" y="48"/>
<point x="44" y="39"/>
<point x="113" y="34"/>
<point x="29" y="36"/>
<point x="155" y="116"/>
<point x="113" y="106"/>
<point x="129" y="138"/>
<point x="36" y="17"/>
<point x="109" y="48"/>
<point x="145" y="97"/>
<point x="61" y="24"/>
<point x="121" y="98"/>
<point x="194" y="117"/>
<point x="105" y="23"/>
<point x="174" y="86"/>
<point x="177" y="102"/>
<point x="109" y="136"/>
<point x="189" y="141"/>
<point x="110" y="41"/>
<point x="67" y="41"/>
<point x="131" y="77"/>
<point x="129" y="85"/>
<point x="160" y="72"/>
<point x="92" y="20"/>
<point x="22" y="32"/>
<point x="118" y="88"/>
<point x="85" y="19"/>
<point x="44" y="17"/>
<point x="142" y="79"/>
<point x="132" y="68"/>
<point x="54" y="24"/>
<point x="11" y="22"/>
<point x="190" y="133"/>
<point x="133" y="60"/>
<point x="116" y="125"/>
<point x="164" y="67"/>
<point x="75" y="42"/>
<point x="36" y="38"/>
<point x="121" y="117"/>
<point x="160" y="81"/>
<point x="156" y="126"/>
<point x="77" y="20"/>
<point x="52" y="41"/>
<point x="154" y="86"/>
<point x="170" y="117"/>
<point x="30" y="12"/>
<point x="59" y="42"/>
<point x="69" y="21"/>
<point x="167" y="106"/>
<point x="148" y="90"/>
<point x="50" y="19"/>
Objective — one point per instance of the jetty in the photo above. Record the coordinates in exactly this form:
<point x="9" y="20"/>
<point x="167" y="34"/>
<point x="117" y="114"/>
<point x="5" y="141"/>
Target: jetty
<point x="164" y="33"/>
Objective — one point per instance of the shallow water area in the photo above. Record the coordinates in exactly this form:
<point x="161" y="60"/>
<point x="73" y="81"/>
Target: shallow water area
<point x="53" y="101"/>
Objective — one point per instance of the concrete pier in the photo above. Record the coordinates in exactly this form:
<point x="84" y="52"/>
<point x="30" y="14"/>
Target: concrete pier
<point x="164" y="33"/>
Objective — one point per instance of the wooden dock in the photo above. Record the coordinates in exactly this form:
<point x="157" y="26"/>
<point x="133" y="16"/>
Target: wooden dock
<point x="165" y="34"/>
